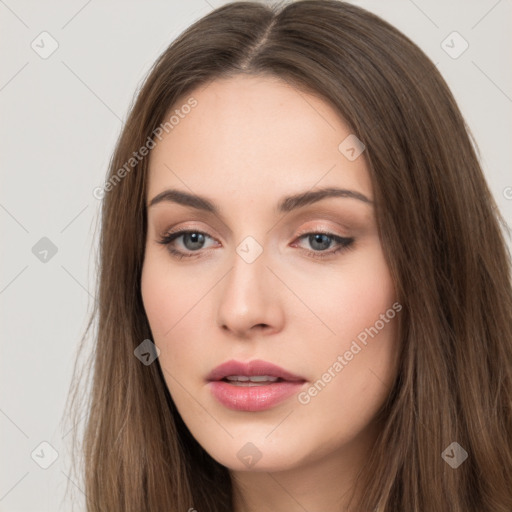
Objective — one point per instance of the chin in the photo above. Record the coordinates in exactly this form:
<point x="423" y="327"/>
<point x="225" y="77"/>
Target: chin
<point x="255" y="453"/>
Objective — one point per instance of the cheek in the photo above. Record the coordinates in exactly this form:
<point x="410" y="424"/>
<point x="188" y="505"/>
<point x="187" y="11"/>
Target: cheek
<point x="356" y="356"/>
<point x="173" y="302"/>
<point x="353" y="382"/>
<point x="157" y="298"/>
<point x="349" y="299"/>
<point x="165" y="294"/>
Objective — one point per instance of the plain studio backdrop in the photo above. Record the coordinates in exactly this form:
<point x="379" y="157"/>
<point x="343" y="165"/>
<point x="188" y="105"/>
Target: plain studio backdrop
<point x="69" y="71"/>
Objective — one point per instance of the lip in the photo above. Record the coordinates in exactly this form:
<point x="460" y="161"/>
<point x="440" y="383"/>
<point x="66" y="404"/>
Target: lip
<point x="251" y="369"/>
<point x="257" y="397"/>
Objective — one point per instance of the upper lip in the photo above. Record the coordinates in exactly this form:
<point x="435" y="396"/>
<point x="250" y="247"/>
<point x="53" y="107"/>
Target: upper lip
<point x="251" y="369"/>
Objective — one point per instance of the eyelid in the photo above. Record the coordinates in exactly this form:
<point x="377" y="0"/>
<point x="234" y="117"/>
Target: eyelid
<point x="320" y="229"/>
<point x="187" y="227"/>
<point x="341" y="244"/>
<point x="305" y="231"/>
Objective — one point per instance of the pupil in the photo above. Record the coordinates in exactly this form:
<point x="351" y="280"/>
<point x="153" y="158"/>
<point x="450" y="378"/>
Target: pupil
<point x="197" y="240"/>
<point x="313" y="239"/>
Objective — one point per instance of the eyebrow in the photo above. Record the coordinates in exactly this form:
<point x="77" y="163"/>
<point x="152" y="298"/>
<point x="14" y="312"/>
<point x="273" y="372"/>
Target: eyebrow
<point x="285" y="205"/>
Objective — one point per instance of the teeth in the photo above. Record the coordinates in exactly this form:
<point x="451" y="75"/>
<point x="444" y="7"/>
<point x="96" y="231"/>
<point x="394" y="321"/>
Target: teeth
<point x="254" y="378"/>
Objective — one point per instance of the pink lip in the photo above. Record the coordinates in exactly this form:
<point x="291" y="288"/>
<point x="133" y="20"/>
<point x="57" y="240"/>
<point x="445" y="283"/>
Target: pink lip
<point x="252" y="398"/>
<point x="250" y="369"/>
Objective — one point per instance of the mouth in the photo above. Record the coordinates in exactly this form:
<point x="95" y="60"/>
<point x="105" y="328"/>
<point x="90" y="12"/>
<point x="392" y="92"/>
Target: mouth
<point x="255" y="380"/>
<point x="256" y="371"/>
<point x="253" y="386"/>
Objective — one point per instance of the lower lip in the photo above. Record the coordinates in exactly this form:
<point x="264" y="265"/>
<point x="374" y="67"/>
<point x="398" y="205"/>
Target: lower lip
<point x="253" y="398"/>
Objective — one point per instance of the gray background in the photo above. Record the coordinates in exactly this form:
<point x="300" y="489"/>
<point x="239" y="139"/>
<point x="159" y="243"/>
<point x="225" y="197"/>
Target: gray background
<point x="60" y="118"/>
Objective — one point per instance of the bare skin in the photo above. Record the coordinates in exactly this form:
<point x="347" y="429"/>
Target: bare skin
<point x="249" y="142"/>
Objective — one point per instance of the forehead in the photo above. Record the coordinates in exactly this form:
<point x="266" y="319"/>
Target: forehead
<point x="253" y="135"/>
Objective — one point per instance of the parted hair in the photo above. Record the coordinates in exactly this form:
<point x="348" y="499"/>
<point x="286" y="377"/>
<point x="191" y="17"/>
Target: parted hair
<point x="442" y="235"/>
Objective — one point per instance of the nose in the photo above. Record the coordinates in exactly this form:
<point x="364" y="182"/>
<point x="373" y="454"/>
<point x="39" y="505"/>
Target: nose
<point x="249" y="300"/>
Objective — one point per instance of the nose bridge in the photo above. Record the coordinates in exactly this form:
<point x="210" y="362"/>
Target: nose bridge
<point x="248" y="297"/>
<point x="246" y="281"/>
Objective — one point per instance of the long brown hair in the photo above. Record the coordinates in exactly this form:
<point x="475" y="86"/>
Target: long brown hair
<point x="442" y="237"/>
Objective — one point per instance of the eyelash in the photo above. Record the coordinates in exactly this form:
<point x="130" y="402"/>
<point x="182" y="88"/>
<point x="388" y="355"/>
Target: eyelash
<point x="343" y="243"/>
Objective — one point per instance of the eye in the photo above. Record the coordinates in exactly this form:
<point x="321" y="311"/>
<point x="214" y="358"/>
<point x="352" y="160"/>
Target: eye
<point x="322" y="240"/>
<point x="194" y="241"/>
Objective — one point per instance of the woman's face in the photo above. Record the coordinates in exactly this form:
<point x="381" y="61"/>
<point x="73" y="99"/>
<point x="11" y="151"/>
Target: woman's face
<point x="258" y="281"/>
